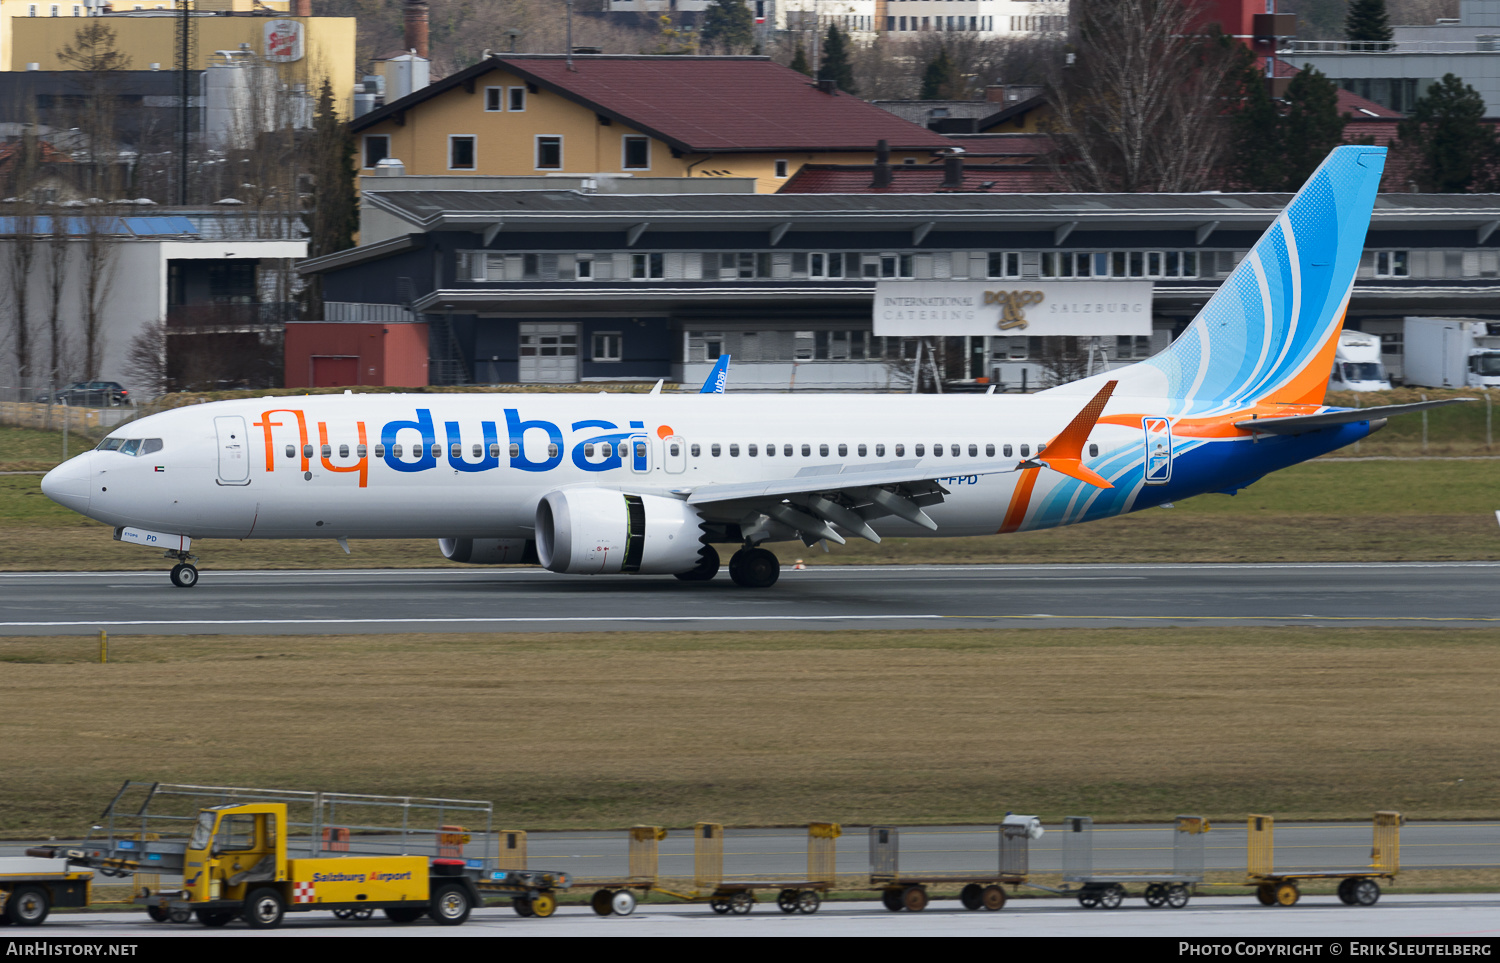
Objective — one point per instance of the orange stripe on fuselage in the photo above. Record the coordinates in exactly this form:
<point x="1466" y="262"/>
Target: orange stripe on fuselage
<point x="1020" y="500"/>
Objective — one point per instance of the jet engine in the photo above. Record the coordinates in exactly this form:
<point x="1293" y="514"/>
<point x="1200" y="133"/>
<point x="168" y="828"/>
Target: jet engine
<point x="489" y="551"/>
<point x="592" y="531"/>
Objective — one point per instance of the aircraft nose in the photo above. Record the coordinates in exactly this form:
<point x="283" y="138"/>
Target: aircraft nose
<point x="68" y="483"/>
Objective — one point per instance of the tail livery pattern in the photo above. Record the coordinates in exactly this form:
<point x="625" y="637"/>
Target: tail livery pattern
<point x="1268" y="334"/>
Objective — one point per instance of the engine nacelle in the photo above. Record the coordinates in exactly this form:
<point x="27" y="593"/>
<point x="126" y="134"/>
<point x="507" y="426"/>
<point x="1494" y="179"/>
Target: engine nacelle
<point x="489" y="551"/>
<point x="592" y="531"/>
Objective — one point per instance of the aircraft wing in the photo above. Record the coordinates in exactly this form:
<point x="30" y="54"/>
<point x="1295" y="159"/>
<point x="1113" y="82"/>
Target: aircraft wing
<point x="818" y="497"/>
<point x="1297" y="424"/>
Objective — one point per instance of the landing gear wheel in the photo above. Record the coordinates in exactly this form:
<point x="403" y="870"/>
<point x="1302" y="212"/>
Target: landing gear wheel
<point x="264" y="909"/>
<point x="602" y="902"/>
<point x="742" y="903"/>
<point x="706" y="569"/>
<point x="27" y="906"/>
<point x="971" y="896"/>
<point x="1156" y="896"/>
<point x="543" y="905"/>
<point x="808" y="901"/>
<point x="215" y="918"/>
<point x="184" y="576"/>
<point x="1366" y="892"/>
<point x="993" y="898"/>
<point x="786" y="901"/>
<point x="757" y="568"/>
<point x="1287" y="894"/>
<point x="623" y="903"/>
<point x="1177" y="896"/>
<point x="450" y="905"/>
<point x="892" y="900"/>
<point x="914" y="898"/>
<point x="1112" y="897"/>
<point x="720" y="906"/>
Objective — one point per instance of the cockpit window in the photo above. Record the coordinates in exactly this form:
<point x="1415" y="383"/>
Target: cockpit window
<point x="131" y="446"/>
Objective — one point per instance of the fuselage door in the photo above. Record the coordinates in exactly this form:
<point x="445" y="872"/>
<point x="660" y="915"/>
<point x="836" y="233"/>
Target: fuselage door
<point x="674" y="454"/>
<point x="234" y="453"/>
<point x="640" y="454"/>
<point x="1158" y="468"/>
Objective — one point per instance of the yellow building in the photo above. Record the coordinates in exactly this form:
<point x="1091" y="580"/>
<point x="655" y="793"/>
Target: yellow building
<point x="648" y="115"/>
<point x="305" y="50"/>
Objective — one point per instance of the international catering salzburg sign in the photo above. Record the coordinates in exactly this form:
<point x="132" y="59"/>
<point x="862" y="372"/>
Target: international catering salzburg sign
<point x="909" y="309"/>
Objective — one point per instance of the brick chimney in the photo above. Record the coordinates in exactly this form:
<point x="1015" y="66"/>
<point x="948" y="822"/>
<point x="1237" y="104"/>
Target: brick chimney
<point x="301" y="8"/>
<point x="416" y="26"/>
<point x="953" y="173"/>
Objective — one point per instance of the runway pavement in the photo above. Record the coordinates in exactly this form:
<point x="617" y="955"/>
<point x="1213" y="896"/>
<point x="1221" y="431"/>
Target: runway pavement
<point x="828" y="597"/>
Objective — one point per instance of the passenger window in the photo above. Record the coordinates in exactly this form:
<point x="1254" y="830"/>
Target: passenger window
<point x="552" y="451"/>
<point x="588" y="451"/>
<point x="786" y="451"/>
<point x="751" y="450"/>
<point x="343" y="451"/>
<point x="1093" y="451"/>
<point x="900" y="451"/>
<point x="396" y="451"/>
<point x="937" y="451"/>
<point x="734" y="451"/>
<point x="713" y="450"/>
<point x="380" y="451"/>
<point x="823" y="451"/>
<point x="640" y="449"/>
<point x="624" y="449"/>
<point x="327" y="451"/>
<point x="861" y="451"/>
<point x="989" y="451"/>
<point x="361" y="452"/>
<point x="843" y="451"/>
<point x="495" y="450"/>
<point x="455" y="451"/>
<point x="150" y="445"/>
<point x="307" y="451"/>
<point x="973" y="451"/>
<point x="1006" y="451"/>
<point x="695" y="451"/>
<point x="478" y="451"/>
<point x="920" y="450"/>
<point x="879" y="451"/>
<point x="1040" y="449"/>
<point x="806" y="450"/>
<point x="674" y="449"/>
<point x="770" y="451"/>
<point x="437" y="450"/>
<point x="515" y="450"/>
<point x="1025" y="451"/>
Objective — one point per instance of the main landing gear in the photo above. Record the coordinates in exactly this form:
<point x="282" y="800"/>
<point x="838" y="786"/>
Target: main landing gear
<point x="184" y="573"/>
<point x="754" y="568"/>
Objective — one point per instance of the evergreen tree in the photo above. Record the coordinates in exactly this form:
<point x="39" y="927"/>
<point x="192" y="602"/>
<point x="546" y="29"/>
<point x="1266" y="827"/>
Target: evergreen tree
<point x="941" y="81"/>
<point x="332" y="212"/>
<point x="1255" y="160"/>
<point x="1310" y="127"/>
<point x="836" y="65"/>
<point x="799" y="61"/>
<point x="728" y="26"/>
<point x="1456" y="149"/>
<point x="1367" y="27"/>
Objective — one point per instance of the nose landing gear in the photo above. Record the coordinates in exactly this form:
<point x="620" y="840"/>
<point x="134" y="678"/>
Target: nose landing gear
<point x="184" y="573"/>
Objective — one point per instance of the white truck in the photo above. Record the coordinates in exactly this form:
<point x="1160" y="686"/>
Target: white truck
<point x="1451" y="353"/>
<point x="1356" y="364"/>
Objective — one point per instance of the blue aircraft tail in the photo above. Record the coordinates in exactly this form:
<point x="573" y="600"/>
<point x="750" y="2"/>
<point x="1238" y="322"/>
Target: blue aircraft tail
<point x="714" y="384"/>
<point x="1269" y="333"/>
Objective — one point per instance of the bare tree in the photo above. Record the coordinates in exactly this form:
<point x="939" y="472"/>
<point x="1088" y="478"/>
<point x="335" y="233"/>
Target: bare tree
<point x="1141" y="107"/>
<point x="20" y="258"/>
<point x="95" y="55"/>
<point x="146" y="357"/>
<point x="54" y="283"/>
<point x="100" y="247"/>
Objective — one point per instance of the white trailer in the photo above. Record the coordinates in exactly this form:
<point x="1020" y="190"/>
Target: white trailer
<point x="1357" y="365"/>
<point x="1451" y="353"/>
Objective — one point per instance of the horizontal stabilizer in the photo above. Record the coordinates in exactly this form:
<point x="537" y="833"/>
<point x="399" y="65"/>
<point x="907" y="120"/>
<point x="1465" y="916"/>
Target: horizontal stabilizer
<point x="1297" y="424"/>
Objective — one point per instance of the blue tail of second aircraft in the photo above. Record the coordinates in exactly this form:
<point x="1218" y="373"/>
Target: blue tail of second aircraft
<point x="1269" y="332"/>
<point x="714" y="383"/>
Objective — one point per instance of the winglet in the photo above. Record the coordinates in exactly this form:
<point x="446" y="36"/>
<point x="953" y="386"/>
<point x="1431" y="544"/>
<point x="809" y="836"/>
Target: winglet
<point x="1065" y="452"/>
<point x="714" y="383"/>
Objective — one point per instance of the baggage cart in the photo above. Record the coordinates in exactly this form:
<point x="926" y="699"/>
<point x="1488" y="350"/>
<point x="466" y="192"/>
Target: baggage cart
<point x="736" y="894"/>
<point x="1357" y="885"/>
<point x="905" y="890"/>
<point x="617" y="896"/>
<point x="1108" y="890"/>
<point x="31" y="887"/>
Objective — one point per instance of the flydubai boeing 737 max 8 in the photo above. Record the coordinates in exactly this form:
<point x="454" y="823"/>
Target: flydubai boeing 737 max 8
<point x="649" y="483"/>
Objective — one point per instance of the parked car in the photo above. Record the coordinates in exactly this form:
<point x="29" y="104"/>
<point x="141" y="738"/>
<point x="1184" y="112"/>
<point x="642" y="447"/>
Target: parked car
<point x="89" y="394"/>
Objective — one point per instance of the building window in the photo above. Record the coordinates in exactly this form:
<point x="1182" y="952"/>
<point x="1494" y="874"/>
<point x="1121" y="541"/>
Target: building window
<point x="781" y="168"/>
<point x="1392" y="264"/>
<point x="517" y="98"/>
<point x="494" y="98"/>
<point x="636" y="153"/>
<point x="607" y="346"/>
<point x="377" y="148"/>
<point x="548" y="153"/>
<point x="460" y="152"/>
<point x="644" y="266"/>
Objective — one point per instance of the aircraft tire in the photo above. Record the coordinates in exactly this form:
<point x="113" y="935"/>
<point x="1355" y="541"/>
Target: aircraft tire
<point x="757" y="569"/>
<point x="184" y="576"/>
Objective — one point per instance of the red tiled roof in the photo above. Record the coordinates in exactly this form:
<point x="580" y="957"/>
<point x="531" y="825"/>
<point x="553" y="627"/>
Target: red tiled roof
<point x="919" y="179"/>
<point x="702" y="104"/>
